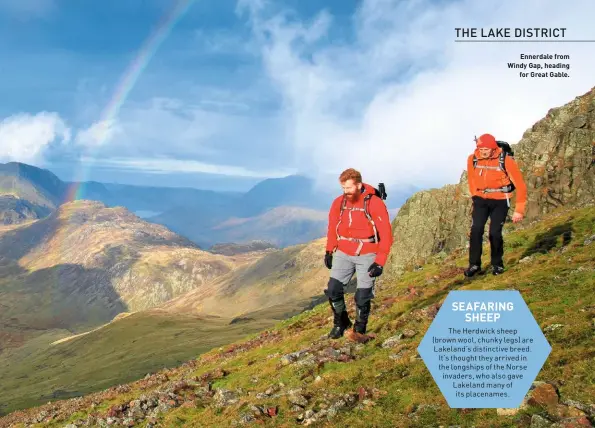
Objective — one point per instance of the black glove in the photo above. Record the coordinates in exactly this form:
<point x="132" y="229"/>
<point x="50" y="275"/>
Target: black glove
<point x="375" y="270"/>
<point x="328" y="259"/>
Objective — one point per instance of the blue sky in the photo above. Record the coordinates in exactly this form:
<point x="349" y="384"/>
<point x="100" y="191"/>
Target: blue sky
<point x="243" y="90"/>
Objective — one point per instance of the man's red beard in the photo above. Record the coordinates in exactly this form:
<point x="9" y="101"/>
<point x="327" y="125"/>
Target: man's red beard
<point x="352" y="196"/>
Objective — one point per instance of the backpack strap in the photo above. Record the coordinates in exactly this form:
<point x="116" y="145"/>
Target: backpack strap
<point x="503" y="155"/>
<point x="343" y="205"/>
<point x="367" y="213"/>
<point x="501" y="162"/>
<point x="501" y="159"/>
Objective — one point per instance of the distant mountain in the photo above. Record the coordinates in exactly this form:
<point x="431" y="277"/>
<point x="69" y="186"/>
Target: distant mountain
<point x="283" y="226"/>
<point x="152" y="199"/>
<point x="294" y="275"/>
<point x="85" y="263"/>
<point x="294" y="190"/>
<point x="42" y="188"/>
<point x="195" y="219"/>
<point x="280" y="210"/>
<point x="232" y="249"/>
<point x="38" y="186"/>
<point x="284" y="211"/>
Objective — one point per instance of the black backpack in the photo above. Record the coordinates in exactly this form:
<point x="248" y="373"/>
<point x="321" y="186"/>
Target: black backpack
<point x="381" y="191"/>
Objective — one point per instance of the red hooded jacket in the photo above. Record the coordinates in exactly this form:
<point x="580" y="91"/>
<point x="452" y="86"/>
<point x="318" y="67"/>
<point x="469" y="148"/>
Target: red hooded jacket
<point x="480" y="179"/>
<point x="359" y="227"/>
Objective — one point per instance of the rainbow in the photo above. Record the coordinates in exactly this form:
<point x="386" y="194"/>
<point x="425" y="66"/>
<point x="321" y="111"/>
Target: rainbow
<point x="126" y="84"/>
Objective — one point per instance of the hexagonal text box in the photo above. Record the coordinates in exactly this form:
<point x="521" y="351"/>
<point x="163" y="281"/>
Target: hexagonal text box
<point x="484" y="349"/>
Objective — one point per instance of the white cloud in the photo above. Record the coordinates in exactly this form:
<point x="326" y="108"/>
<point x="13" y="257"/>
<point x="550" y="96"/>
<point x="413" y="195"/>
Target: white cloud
<point x="98" y="134"/>
<point x="24" y="137"/>
<point x="177" y="129"/>
<point x="166" y="125"/>
<point x="164" y="166"/>
<point x="403" y="101"/>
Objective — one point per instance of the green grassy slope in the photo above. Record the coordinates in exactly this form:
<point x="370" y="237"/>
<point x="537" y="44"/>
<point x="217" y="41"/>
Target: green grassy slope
<point x="121" y="351"/>
<point x="292" y="374"/>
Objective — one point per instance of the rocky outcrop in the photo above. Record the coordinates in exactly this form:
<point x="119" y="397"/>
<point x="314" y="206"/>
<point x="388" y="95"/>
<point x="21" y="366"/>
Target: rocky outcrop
<point x="431" y="221"/>
<point x="557" y="158"/>
<point x="14" y="210"/>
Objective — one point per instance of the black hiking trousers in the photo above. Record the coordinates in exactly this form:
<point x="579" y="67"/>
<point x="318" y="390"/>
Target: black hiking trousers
<point x="496" y="210"/>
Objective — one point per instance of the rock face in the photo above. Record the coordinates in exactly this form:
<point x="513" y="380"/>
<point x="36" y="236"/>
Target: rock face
<point x="14" y="210"/>
<point x="557" y="158"/>
<point x="431" y="221"/>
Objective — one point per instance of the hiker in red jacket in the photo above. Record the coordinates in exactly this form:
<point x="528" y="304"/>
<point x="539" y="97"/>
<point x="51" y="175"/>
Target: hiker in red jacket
<point x="359" y="239"/>
<point x="492" y="174"/>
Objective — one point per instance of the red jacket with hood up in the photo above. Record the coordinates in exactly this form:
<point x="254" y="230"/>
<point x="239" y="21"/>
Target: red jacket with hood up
<point x="360" y="227"/>
<point x="480" y="179"/>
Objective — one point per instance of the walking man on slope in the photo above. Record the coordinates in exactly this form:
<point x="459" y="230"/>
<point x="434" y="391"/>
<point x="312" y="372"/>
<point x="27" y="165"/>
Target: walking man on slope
<point x="359" y="239"/>
<point x="492" y="175"/>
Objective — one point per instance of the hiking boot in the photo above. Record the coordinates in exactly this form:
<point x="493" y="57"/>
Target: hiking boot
<point x="472" y="270"/>
<point x="336" y="332"/>
<point x="342" y="322"/>
<point x="359" y="327"/>
<point x="354" y="336"/>
<point x="497" y="270"/>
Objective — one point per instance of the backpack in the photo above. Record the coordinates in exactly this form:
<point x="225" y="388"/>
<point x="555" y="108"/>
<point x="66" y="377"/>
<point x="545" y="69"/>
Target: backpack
<point x="381" y="193"/>
<point x="506" y="151"/>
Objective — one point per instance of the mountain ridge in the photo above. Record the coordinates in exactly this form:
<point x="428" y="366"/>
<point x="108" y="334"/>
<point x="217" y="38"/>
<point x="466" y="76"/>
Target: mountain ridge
<point x="198" y="214"/>
<point x="91" y="255"/>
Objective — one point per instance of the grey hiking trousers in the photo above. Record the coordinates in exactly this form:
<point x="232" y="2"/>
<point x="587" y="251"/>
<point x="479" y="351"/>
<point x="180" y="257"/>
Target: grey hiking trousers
<point x="343" y="268"/>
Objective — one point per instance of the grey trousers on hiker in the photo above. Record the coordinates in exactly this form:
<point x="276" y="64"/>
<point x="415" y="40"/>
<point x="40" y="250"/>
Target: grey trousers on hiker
<point x="343" y="269"/>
